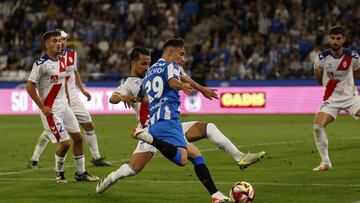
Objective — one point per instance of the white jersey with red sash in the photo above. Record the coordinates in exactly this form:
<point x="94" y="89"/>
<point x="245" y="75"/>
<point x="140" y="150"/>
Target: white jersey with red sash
<point x="49" y="75"/>
<point x="338" y="74"/>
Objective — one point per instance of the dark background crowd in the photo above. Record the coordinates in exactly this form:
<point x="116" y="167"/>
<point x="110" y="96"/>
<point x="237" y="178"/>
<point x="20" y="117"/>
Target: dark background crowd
<point x="225" y="39"/>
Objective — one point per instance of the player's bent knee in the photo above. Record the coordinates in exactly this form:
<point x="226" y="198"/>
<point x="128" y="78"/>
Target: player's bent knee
<point x="88" y="126"/>
<point x="76" y="137"/>
<point x="317" y="128"/>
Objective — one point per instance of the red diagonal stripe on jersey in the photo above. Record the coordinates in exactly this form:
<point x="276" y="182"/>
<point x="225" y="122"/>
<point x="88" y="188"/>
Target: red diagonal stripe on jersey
<point x="70" y="58"/>
<point x="144" y="112"/>
<point x="331" y="85"/>
<point x="50" y="98"/>
<point x="53" y="128"/>
<point x="345" y="63"/>
<point x="62" y="66"/>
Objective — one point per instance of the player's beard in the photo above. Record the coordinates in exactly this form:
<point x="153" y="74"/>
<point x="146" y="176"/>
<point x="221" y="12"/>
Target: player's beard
<point x="335" y="47"/>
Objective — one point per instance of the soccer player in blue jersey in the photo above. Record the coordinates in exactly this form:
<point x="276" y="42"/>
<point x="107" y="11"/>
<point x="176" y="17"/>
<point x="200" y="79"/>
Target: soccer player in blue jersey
<point x="162" y="84"/>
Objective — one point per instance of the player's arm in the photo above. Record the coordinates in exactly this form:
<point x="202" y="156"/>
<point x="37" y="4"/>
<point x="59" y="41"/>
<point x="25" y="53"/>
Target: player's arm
<point x="67" y="92"/>
<point x="116" y="97"/>
<point x="178" y="85"/>
<point x="319" y="75"/>
<point x="207" y="92"/>
<point x="30" y="88"/>
<point x="80" y="85"/>
<point x="318" y="70"/>
<point x="356" y="74"/>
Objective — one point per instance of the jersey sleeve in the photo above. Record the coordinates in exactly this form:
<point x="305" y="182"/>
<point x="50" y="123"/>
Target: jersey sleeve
<point x="356" y="59"/>
<point x="123" y="89"/>
<point x="317" y="63"/>
<point x="35" y="73"/>
<point x="173" y="71"/>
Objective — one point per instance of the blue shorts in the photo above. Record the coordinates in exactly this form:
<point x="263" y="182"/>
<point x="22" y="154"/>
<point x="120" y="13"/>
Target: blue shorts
<point x="169" y="131"/>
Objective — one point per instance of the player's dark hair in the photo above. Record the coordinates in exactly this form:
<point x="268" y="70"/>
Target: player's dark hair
<point x="135" y="53"/>
<point x="337" y="30"/>
<point x="174" y="42"/>
<point x="49" y="34"/>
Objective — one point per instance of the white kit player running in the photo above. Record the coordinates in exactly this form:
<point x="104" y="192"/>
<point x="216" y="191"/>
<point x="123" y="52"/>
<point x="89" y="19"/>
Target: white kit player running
<point x="193" y="130"/>
<point x="81" y="113"/>
<point x="49" y="73"/>
<point x="336" y="70"/>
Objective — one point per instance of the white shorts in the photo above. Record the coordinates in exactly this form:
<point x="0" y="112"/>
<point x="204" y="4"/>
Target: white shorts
<point x="81" y="113"/>
<point x="59" y="124"/>
<point x="145" y="147"/>
<point x="351" y="105"/>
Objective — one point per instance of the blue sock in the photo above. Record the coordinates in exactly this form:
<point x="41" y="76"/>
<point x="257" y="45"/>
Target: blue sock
<point x="198" y="160"/>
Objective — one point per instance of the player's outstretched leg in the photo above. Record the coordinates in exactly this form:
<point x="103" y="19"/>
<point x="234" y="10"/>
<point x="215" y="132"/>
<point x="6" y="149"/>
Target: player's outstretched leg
<point x="203" y="174"/>
<point x="201" y="130"/>
<point x="39" y="148"/>
<point x="174" y="154"/>
<point x="81" y="174"/>
<point x="321" y="142"/>
<point x="142" y="155"/>
<point x="91" y="141"/>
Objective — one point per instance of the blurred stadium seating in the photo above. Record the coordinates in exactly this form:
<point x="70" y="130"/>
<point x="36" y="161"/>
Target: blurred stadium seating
<point x="225" y="39"/>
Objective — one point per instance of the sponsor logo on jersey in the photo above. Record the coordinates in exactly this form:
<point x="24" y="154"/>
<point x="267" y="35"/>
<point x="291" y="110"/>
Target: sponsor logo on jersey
<point x="243" y="100"/>
<point x="54" y="79"/>
<point x="344" y="64"/>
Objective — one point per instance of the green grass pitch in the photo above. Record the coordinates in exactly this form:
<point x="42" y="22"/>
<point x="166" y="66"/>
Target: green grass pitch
<point x="285" y="175"/>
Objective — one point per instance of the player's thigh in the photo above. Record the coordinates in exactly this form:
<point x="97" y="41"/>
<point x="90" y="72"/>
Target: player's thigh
<point x="193" y="151"/>
<point x="353" y="106"/>
<point x="55" y="127"/>
<point x="194" y="130"/>
<point x="70" y="122"/>
<point x="139" y="160"/>
<point x="323" y="118"/>
<point x="80" y="111"/>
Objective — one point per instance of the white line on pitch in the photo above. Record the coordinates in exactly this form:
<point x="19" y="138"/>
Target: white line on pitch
<point x="196" y="182"/>
<point x="202" y="150"/>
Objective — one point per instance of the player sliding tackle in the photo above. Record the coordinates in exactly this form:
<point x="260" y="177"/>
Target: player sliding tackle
<point x="336" y="70"/>
<point x="193" y="130"/>
<point x="49" y="74"/>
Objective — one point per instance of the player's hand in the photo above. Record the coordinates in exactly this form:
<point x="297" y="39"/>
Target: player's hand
<point x="47" y="111"/>
<point x="186" y="87"/>
<point x="128" y="100"/>
<point x="209" y="93"/>
<point x="87" y="95"/>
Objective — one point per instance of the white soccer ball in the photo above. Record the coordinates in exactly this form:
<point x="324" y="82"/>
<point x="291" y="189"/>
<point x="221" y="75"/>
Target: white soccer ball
<point x="242" y="192"/>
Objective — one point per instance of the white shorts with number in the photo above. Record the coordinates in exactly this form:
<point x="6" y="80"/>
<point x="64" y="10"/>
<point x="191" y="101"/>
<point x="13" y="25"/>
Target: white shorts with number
<point x="81" y="113"/>
<point x="351" y="105"/>
<point x="145" y="147"/>
<point x="59" y="124"/>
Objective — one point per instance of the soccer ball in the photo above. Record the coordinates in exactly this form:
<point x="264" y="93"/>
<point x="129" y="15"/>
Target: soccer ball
<point x="242" y="192"/>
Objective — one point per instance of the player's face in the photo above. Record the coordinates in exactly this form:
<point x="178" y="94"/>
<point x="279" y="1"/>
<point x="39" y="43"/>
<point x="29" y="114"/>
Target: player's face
<point x="53" y="44"/>
<point x="141" y="65"/>
<point x="179" y="55"/>
<point x="336" y="41"/>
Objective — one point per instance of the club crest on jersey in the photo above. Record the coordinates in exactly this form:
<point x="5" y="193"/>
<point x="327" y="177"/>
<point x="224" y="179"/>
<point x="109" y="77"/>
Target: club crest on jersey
<point x="54" y="79"/>
<point x="344" y="64"/>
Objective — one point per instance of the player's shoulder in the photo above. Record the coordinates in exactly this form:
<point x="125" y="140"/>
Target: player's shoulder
<point x="351" y="53"/>
<point x="43" y="60"/>
<point x="69" y="50"/>
<point x="324" y="54"/>
<point x="132" y="81"/>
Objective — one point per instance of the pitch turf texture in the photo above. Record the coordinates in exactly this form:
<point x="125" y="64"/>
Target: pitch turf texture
<point x="285" y="175"/>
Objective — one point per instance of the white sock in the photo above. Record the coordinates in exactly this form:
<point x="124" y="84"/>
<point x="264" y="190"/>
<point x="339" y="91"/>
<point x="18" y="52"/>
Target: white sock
<point x="321" y="142"/>
<point x="80" y="164"/>
<point x="124" y="171"/>
<point x="91" y="141"/>
<point x="220" y="140"/>
<point x="40" y="146"/>
<point x="59" y="163"/>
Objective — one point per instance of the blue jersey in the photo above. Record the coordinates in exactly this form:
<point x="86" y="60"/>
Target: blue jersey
<point x="164" y="102"/>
